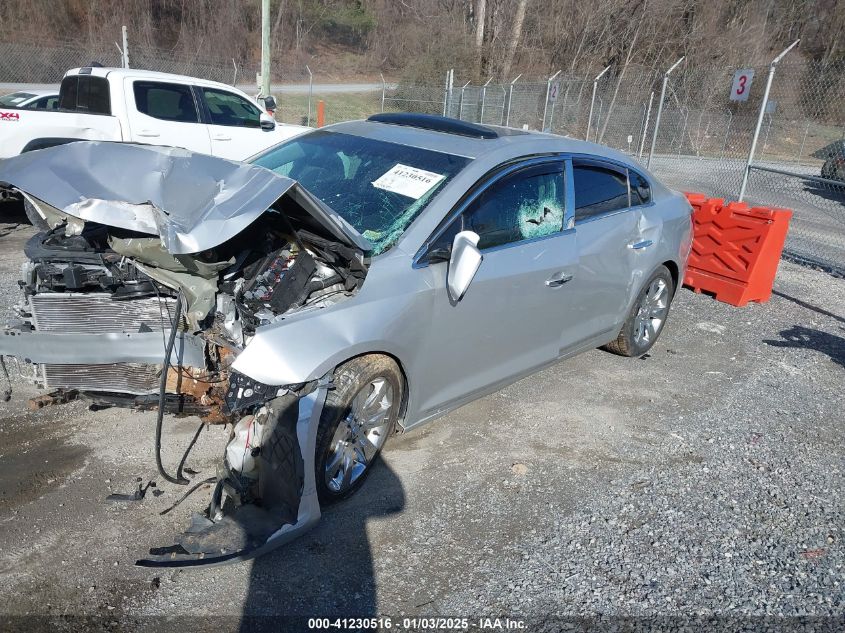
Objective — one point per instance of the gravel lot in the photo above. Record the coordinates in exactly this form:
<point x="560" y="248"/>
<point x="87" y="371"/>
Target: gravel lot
<point x="705" y="480"/>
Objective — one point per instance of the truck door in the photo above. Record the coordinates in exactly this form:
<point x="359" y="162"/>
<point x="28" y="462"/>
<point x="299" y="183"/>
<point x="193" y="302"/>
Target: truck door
<point x="163" y="113"/>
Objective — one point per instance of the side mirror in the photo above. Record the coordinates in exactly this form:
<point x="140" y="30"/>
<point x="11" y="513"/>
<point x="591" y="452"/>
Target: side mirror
<point x="463" y="264"/>
<point x="268" y="124"/>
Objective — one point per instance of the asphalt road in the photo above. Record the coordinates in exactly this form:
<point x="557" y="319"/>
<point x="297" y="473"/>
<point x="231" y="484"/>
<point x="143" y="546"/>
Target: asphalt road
<point x="702" y="481"/>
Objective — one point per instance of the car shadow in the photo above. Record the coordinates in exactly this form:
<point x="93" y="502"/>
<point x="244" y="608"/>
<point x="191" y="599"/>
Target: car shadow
<point x="328" y="572"/>
<point x="808" y="338"/>
<point x="809" y="306"/>
<point x="833" y="193"/>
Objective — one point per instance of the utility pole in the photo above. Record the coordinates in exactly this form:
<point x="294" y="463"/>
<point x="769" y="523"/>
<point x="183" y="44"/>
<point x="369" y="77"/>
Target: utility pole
<point x="265" y="48"/>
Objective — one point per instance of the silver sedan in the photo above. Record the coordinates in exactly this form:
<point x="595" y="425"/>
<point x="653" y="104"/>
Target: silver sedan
<point x="354" y="282"/>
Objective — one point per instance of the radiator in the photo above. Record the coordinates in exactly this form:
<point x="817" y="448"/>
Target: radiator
<point x="96" y="313"/>
<point x="116" y="377"/>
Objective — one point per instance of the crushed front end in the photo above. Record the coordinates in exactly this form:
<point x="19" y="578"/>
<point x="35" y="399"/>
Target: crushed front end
<point x="143" y="296"/>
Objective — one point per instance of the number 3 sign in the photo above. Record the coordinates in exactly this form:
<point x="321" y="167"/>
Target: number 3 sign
<point x="742" y="84"/>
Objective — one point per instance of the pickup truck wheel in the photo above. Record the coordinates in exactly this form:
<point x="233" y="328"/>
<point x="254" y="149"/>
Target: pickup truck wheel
<point x="34" y="217"/>
<point x="360" y="413"/>
<point x="647" y="316"/>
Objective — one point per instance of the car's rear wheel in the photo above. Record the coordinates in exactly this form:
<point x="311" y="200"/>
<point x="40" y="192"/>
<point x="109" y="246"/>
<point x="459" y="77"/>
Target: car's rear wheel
<point x="647" y="316"/>
<point x="360" y="413"/>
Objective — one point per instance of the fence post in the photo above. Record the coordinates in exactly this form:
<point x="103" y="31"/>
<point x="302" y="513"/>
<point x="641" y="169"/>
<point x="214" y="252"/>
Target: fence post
<point x="310" y="94"/>
<point x="593" y="101"/>
<point x="803" y="140"/>
<point x="450" y="77"/>
<point x="598" y="115"/>
<point x="125" y="47"/>
<point x="660" y="109"/>
<point x="461" y="102"/>
<point x="756" y="136"/>
<point x="645" y="126"/>
<point x="483" y="99"/>
<point x="383" y="90"/>
<point x="727" y="132"/>
<point x="546" y="105"/>
<point x="510" y="100"/>
<point x="235" y="77"/>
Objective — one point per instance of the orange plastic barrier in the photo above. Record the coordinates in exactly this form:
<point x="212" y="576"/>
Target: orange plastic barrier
<point x="735" y="249"/>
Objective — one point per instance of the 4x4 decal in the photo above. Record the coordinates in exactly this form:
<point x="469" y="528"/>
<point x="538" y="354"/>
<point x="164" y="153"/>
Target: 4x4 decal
<point x="9" y="116"/>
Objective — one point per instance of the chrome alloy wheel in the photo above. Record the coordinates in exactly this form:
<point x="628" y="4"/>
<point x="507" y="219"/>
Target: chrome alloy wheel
<point x="359" y="435"/>
<point x="651" y="313"/>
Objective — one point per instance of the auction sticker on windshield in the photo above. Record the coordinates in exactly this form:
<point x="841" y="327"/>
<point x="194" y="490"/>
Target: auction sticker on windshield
<point x="408" y="181"/>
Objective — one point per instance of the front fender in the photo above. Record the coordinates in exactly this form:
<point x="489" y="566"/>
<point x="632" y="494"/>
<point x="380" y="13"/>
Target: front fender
<point x="310" y="345"/>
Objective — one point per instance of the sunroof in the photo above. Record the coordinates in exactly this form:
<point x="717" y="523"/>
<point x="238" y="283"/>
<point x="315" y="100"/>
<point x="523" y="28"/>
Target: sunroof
<point x="436" y="124"/>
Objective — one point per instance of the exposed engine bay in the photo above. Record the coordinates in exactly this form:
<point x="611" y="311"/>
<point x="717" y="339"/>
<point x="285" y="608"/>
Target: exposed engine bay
<point x="96" y="279"/>
<point x="118" y="308"/>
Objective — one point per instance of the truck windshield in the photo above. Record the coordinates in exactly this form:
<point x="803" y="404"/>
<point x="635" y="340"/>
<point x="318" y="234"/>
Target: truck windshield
<point x="378" y="187"/>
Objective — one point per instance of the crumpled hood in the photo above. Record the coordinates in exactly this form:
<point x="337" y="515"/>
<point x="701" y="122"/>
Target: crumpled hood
<point x="192" y="201"/>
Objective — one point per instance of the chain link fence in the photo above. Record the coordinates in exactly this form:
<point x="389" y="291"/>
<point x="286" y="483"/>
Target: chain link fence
<point x="704" y="137"/>
<point x="702" y="143"/>
<point x="31" y="63"/>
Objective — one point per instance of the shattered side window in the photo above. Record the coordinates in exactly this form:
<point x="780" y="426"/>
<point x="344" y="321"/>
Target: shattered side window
<point x="526" y="205"/>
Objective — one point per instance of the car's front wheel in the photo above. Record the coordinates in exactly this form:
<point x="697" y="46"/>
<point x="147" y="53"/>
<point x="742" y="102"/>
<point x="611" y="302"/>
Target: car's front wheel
<point x="361" y="411"/>
<point x="647" y="317"/>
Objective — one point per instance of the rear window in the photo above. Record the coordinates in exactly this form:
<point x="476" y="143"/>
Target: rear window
<point x="169" y="102"/>
<point x="84" y="93"/>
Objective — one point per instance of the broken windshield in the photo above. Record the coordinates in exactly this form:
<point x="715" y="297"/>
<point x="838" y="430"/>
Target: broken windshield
<point x="376" y="186"/>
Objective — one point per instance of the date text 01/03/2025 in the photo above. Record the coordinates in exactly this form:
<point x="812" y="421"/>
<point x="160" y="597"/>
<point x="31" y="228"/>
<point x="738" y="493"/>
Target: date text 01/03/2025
<point x="416" y="623"/>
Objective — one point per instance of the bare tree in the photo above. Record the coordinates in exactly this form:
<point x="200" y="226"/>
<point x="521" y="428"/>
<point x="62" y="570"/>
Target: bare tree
<point x="516" y="35"/>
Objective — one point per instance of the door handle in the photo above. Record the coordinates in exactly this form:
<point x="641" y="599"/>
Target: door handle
<point x="640" y="245"/>
<point x="558" y="280"/>
<point x="221" y="137"/>
<point x="148" y="133"/>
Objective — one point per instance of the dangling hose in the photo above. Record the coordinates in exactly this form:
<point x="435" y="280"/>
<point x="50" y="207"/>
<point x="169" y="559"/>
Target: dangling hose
<point x="7" y="392"/>
<point x="162" y="392"/>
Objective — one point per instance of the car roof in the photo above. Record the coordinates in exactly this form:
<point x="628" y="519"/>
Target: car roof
<point x="512" y="141"/>
<point x="42" y="93"/>
<point x="134" y="73"/>
<point x="33" y="94"/>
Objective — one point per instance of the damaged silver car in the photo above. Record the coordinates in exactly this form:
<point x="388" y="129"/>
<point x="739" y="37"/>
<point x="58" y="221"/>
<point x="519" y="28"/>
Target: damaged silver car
<point x="351" y="283"/>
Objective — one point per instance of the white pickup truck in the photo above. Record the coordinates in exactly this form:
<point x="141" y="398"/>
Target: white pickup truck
<point x="117" y="104"/>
